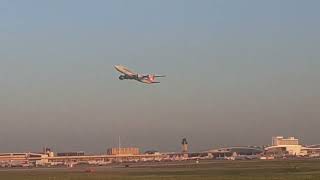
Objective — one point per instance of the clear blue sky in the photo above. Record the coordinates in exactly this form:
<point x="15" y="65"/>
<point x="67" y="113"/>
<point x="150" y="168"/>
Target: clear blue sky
<point x="238" y="73"/>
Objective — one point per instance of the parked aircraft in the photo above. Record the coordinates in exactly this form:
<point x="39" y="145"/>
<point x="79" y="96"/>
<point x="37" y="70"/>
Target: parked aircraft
<point x="128" y="74"/>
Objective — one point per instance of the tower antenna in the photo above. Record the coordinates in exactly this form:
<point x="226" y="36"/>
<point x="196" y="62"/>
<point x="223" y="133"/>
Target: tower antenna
<point x="119" y="145"/>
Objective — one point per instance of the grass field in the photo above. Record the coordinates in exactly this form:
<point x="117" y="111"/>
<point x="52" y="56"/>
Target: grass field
<point x="220" y="170"/>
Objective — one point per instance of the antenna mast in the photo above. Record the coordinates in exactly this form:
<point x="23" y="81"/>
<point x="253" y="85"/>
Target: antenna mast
<point x="119" y="145"/>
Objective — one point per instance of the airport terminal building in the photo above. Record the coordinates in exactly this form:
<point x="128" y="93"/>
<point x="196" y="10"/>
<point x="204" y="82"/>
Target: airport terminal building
<point x="290" y="146"/>
<point x="123" y="151"/>
<point x="281" y="146"/>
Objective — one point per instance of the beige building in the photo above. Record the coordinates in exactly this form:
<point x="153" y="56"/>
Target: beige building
<point x="123" y="151"/>
<point x="289" y="145"/>
<point x="280" y="140"/>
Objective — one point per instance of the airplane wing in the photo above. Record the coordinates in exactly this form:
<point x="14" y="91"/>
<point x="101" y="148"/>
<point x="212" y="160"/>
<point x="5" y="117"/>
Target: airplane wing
<point x="149" y="82"/>
<point x="124" y="70"/>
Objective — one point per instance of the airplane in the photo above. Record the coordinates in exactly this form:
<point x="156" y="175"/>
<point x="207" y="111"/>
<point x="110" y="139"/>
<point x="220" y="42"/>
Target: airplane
<point x="128" y="74"/>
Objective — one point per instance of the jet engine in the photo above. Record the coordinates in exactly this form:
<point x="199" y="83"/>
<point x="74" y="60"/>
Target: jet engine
<point x="121" y="77"/>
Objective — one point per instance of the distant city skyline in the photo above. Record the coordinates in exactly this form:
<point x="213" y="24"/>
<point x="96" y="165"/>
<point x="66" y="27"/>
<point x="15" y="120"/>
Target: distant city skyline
<point x="238" y="73"/>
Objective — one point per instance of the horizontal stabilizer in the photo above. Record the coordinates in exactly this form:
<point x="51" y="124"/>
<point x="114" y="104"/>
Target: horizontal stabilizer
<point x="159" y="76"/>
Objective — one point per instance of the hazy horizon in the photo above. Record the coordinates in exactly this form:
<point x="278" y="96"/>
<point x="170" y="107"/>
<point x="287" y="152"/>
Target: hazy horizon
<point x="238" y="73"/>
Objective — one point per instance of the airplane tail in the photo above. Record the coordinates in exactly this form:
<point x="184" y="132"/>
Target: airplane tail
<point x="152" y="77"/>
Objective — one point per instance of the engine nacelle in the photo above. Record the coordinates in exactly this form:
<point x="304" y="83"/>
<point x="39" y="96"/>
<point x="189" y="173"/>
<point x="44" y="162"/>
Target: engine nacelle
<point x="121" y="77"/>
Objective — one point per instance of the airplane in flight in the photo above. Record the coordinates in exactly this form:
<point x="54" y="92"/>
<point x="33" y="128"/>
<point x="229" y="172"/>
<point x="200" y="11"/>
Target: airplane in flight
<point x="128" y="74"/>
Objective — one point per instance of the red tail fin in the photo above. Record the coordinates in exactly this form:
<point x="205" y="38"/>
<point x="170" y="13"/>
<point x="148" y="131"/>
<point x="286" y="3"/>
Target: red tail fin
<point x="151" y="77"/>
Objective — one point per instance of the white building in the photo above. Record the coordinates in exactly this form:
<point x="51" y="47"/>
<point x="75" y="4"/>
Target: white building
<point x="279" y="140"/>
<point x="289" y="145"/>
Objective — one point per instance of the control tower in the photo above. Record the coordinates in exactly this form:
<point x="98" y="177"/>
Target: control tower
<point x="184" y="144"/>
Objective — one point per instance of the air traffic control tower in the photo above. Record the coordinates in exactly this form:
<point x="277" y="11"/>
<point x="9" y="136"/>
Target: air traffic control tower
<point x="184" y="144"/>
